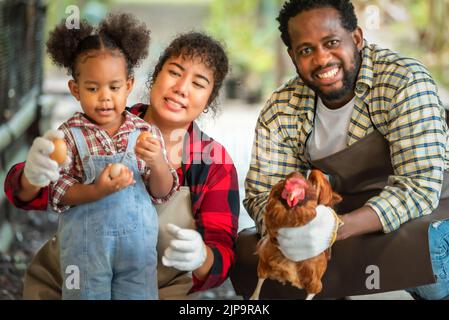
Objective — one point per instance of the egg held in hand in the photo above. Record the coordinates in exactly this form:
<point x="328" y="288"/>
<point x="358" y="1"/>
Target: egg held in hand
<point x="143" y="136"/>
<point x="60" y="152"/>
<point x="116" y="169"/>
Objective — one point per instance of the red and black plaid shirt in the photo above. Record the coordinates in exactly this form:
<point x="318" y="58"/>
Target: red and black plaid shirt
<point x="212" y="179"/>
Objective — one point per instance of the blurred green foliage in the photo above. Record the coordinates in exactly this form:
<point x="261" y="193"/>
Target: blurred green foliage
<point x="249" y="31"/>
<point x="417" y="28"/>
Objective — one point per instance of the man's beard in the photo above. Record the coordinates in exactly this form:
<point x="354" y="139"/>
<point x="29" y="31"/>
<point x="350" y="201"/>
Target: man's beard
<point x="349" y="80"/>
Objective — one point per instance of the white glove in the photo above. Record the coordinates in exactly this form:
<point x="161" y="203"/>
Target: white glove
<point x="308" y="241"/>
<point x="39" y="169"/>
<point x="187" y="251"/>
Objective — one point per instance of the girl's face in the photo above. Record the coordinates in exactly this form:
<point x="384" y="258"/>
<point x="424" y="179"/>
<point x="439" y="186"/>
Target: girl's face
<point x="180" y="92"/>
<point x="102" y="88"/>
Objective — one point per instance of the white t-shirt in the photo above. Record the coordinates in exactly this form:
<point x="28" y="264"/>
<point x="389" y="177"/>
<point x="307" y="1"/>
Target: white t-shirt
<point x="330" y="131"/>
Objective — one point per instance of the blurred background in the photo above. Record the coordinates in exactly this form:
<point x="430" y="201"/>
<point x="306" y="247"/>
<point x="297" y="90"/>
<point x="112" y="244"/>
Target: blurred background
<point x="34" y="95"/>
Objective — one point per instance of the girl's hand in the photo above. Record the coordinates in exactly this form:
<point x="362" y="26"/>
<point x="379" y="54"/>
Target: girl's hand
<point x="150" y="150"/>
<point x="105" y="185"/>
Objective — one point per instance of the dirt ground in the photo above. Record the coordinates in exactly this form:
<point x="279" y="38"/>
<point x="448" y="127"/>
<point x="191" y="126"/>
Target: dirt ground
<point x="31" y="230"/>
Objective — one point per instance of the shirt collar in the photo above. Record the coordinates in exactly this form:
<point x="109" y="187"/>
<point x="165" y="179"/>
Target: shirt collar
<point x="366" y="72"/>
<point x="130" y="124"/>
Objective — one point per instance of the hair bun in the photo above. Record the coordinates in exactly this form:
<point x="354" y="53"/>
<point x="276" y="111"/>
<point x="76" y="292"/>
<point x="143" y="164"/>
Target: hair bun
<point x="129" y="34"/>
<point x="63" y="42"/>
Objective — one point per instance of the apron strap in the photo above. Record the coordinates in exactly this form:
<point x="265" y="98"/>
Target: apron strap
<point x="84" y="154"/>
<point x="132" y="138"/>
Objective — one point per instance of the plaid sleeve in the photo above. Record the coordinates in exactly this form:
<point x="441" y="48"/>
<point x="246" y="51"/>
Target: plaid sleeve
<point x="70" y="174"/>
<point x="417" y="138"/>
<point x="12" y="185"/>
<point x="272" y="158"/>
<point x="146" y="176"/>
<point x="217" y="222"/>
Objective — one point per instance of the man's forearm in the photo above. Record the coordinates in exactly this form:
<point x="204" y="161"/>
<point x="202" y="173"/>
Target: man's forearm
<point x="360" y="221"/>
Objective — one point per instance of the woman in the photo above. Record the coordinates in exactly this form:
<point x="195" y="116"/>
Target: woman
<point x="185" y="83"/>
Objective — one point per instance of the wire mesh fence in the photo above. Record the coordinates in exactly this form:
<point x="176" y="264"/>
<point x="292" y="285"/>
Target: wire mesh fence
<point x="21" y="49"/>
<point x="22" y="30"/>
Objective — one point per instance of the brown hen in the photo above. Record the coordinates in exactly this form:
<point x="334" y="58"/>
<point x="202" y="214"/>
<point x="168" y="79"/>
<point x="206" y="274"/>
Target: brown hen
<point x="292" y="203"/>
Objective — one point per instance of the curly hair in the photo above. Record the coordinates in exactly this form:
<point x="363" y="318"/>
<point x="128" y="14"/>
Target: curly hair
<point x="292" y="8"/>
<point x="194" y="45"/>
<point x="117" y="32"/>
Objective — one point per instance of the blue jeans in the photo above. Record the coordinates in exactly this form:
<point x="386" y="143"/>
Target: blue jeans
<point x="439" y="253"/>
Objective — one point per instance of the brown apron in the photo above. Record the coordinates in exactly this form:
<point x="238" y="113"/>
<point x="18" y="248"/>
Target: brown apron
<point x="43" y="278"/>
<point x="402" y="257"/>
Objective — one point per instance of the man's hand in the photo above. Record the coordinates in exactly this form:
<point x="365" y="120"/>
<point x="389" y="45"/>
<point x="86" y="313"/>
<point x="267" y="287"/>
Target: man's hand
<point x="187" y="251"/>
<point x="39" y="169"/>
<point x="308" y="241"/>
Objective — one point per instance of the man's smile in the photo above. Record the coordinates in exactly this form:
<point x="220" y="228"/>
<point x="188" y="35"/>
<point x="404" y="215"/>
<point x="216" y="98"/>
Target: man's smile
<point x="328" y="75"/>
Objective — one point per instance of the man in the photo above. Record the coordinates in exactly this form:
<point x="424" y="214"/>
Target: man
<point x="366" y="116"/>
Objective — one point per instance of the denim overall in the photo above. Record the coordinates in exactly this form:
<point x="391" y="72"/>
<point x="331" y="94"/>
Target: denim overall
<point x="110" y="242"/>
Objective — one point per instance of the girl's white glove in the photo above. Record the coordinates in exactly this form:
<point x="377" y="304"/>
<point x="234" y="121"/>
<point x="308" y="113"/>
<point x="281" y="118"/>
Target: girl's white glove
<point x="187" y="250"/>
<point x="308" y="241"/>
<point x="39" y="169"/>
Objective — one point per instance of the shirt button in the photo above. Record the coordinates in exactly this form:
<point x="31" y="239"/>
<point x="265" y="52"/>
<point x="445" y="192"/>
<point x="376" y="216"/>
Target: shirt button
<point x="359" y="88"/>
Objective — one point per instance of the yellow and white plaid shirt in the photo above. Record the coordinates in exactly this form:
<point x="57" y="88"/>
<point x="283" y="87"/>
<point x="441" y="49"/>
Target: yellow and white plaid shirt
<point x="402" y="99"/>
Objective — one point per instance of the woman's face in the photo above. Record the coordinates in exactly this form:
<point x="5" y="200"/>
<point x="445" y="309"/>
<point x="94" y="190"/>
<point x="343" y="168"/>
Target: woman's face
<point x="180" y="92"/>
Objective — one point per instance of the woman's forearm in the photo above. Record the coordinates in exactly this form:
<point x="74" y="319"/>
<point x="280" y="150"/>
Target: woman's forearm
<point x="360" y="221"/>
<point x="202" y="272"/>
<point x="27" y="191"/>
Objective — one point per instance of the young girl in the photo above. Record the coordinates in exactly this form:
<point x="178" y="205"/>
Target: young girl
<point x="108" y="226"/>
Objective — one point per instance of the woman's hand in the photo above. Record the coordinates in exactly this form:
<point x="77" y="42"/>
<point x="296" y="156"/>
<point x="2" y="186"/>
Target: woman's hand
<point x="105" y="185"/>
<point x="150" y="150"/>
<point x="39" y="169"/>
<point x="187" y="251"/>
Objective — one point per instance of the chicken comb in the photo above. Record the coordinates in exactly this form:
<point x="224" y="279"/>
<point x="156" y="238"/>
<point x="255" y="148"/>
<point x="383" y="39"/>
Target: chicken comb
<point x="292" y="183"/>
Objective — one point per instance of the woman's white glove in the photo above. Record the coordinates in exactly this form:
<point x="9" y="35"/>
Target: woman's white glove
<point x="39" y="169"/>
<point x="187" y="250"/>
<point x="308" y="241"/>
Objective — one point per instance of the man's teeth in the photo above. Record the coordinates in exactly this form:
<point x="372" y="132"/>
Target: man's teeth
<point x="329" y="74"/>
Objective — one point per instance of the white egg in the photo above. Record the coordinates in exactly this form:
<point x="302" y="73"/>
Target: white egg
<point x="116" y="168"/>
